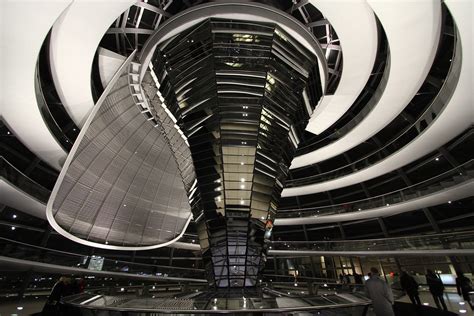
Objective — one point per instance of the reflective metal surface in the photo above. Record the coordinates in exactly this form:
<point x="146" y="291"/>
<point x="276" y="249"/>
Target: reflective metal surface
<point x="234" y="89"/>
<point x="120" y="187"/>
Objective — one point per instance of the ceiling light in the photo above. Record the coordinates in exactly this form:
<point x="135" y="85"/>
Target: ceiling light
<point x="241" y="163"/>
<point x="437" y="158"/>
<point x="449" y="202"/>
<point x="242" y="179"/>
<point x="463" y="311"/>
<point x="242" y="186"/>
<point x="19" y="308"/>
<point x="13" y="227"/>
<point x="14" y="216"/>
<point x="242" y="201"/>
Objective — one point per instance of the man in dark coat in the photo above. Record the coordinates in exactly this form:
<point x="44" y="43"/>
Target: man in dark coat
<point x="410" y="286"/>
<point x="436" y="287"/>
<point x="464" y="286"/>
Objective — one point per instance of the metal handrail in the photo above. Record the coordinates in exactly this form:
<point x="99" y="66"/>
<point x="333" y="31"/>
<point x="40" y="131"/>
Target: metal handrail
<point x="458" y="169"/>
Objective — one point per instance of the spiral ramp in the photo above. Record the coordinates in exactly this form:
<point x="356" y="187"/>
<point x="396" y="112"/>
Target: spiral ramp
<point x="412" y="31"/>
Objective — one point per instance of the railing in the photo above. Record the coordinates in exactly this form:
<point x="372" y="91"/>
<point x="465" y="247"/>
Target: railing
<point x="332" y="304"/>
<point x="444" y="180"/>
<point x="18" y="250"/>
<point x="22" y="181"/>
<point x="437" y="105"/>
<point x="423" y="242"/>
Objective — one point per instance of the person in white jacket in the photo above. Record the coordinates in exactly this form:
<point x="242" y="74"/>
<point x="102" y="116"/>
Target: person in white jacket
<point x="380" y="294"/>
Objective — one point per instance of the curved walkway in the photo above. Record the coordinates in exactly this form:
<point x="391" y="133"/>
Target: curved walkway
<point x="73" y="44"/>
<point x="460" y="191"/>
<point x="453" y="120"/>
<point x="24" y="26"/>
<point x="359" y="57"/>
<point x="411" y="58"/>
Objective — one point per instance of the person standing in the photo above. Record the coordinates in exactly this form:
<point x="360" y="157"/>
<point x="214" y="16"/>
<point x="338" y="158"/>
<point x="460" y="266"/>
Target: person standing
<point x="436" y="287"/>
<point x="464" y="286"/>
<point x="410" y="286"/>
<point x="380" y="294"/>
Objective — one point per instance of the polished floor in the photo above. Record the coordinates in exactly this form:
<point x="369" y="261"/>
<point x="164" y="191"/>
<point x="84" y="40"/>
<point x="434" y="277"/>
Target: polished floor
<point x="454" y="302"/>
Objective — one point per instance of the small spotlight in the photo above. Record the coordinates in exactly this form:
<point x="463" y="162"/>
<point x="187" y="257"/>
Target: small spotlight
<point x="19" y="308"/>
<point x="426" y="304"/>
<point x="437" y="158"/>
<point x="13" y="227"/>
<point x="449" y="202"/>
<point x="14" y="216"/>
<point x="462" y="311"/>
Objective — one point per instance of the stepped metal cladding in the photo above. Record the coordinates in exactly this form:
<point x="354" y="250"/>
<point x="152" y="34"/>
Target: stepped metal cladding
<point x="240" y="93"/>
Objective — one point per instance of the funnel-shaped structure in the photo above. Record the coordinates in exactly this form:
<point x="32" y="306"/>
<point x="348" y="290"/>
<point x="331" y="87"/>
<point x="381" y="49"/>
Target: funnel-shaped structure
<point x="240" y="93"/>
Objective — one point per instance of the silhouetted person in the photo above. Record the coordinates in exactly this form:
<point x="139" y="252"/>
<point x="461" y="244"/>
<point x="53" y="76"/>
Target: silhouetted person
<point x="358" y="281"/>
<point x="436" y="287"/>
<point x="380" y="294"/>
<point x="358" y="278"/>
<point x="60" y="289"/>
<point x="410" y="286"/>
<point x="464" y="286"/>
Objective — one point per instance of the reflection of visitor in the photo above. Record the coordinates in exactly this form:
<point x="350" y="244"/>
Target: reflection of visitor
<point x="380" y="294"/>
<point x="464" y="286"/>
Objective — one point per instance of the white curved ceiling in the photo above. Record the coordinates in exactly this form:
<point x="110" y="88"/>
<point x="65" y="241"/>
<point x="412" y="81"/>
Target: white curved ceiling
<point x="19" y="200"/>
<point x="455" y="118"/>
<point x="24" y="26"/>
<point x="74" y="41"/>
<point x="411" y="58"/>
<point x="359" y="56"/>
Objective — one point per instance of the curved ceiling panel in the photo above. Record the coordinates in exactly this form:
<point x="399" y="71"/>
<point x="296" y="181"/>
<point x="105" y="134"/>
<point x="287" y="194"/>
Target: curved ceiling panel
<point x="450" y="123"/>
<point x="411" y="58"/>
<point x="16" y="198"/>
<point x="74" y="41"/>
<point x="359" y="57"/>
<point x="21" y="44"/>
<point x="120" y="187"/>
